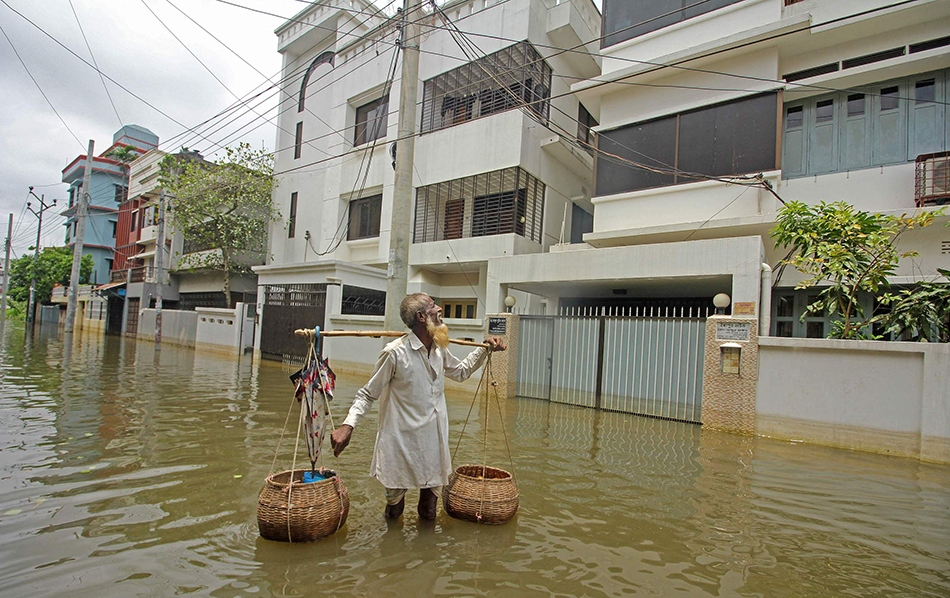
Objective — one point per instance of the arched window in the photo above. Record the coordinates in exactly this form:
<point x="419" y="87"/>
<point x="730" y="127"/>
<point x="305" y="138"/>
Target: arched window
<point x="325" y="58"/>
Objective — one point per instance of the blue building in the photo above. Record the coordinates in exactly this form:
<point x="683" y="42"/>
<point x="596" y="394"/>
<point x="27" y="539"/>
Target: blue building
<point x="108" y="188"/>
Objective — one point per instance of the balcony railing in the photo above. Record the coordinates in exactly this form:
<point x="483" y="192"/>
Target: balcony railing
<point x="932" y="180"/>
<point x="494" y="203"/>
<point x="118" y="275"/>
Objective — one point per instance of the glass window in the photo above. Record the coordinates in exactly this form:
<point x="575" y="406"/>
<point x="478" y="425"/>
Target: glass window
<point x="925" y="91"/>
<point x="364" y="217"/>
<point x="794" y="117"/>
<point x="292" y="225"/>
<point x="784" y="328"/>
<point x="824" y="111"/>
<point x="298" y="140"/>
<point x="889" y="98"/>
<point x="815" y="330"/>
<point x="371" y="121"/>
<point x="856" y="104"/>
<point x="627" y="19"/>
<point x="785" y="306"/>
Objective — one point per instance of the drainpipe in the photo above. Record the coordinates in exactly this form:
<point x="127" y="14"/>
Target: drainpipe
<point x="765" y="303"/>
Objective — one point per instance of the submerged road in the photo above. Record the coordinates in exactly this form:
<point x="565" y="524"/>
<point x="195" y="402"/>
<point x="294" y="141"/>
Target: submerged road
<point x="126" y="472"/>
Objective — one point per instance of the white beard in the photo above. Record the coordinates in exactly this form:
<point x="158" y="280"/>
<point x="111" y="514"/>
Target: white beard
<point x="438" y="332"/>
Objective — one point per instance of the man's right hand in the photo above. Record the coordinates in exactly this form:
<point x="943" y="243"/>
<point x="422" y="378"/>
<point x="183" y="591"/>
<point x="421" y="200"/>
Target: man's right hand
<point x="340" y="438"/>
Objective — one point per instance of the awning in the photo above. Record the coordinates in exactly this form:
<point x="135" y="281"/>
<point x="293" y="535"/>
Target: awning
<point x="111" y="285"/>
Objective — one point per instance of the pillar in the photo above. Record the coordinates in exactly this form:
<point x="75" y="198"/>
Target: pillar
<point x="505" y="364"/>
<point x="730" y="374"/>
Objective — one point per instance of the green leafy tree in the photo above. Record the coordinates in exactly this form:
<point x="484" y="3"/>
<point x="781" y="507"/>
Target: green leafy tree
<point x="847" y="249"/>
<point x="225" y="205"/>
<point x="923" y="311"/>
<point x="53" y="267"/>
<point x="124" y="153"/>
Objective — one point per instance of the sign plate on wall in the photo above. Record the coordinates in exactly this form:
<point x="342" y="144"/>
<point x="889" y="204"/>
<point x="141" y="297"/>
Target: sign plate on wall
<point x="733" y="331"/>
<point x="743" y="309"/>
<point x="497" y="326"/>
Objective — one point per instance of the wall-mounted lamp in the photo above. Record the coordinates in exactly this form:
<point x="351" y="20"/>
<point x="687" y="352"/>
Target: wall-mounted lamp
<point x="721" y="301"/>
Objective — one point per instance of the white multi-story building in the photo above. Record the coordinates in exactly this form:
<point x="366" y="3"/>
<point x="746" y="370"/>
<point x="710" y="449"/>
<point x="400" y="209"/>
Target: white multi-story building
<point x="490" y="179"/>
<point x="825" y="100"/>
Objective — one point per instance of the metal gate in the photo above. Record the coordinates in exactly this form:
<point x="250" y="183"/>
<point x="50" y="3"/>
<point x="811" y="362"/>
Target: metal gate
<point x="286" y="308"/>
<point x="644" y="361"/>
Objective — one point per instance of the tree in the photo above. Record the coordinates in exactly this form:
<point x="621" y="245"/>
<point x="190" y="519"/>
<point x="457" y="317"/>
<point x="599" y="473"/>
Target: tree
<point x="923" y="310"/>
<point x="225" y="205"/>
<point x="124" y="153"/>
<point x="53" y="267"/>
<point x="849" y="249"/>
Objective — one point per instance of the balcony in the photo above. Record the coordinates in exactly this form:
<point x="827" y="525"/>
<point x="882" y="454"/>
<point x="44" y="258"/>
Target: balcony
<point x="932" y="179"/>
<point x="572" y="23"/>
<point x="495" y="203"/>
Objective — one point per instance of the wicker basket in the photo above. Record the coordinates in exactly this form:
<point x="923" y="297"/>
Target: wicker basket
<point x="492" y="499"/>
<point x="317" y="509"/>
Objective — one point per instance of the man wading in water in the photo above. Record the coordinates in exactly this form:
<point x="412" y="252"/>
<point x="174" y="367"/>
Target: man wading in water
<point x="412" y="444"/>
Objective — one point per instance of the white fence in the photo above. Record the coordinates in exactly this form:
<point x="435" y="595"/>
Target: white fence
<point x="178" y="326"/>
<point x="225" y="329"/>
<point x="886" y="397"/>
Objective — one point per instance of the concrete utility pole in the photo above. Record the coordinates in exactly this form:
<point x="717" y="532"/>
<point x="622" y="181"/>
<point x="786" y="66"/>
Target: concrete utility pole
<point x="77" y="247"/>
<point x="31" y="305"/>
<point x="6" y="270"/>
<point x="159" y="264"/>
<point x="398" y="273"/>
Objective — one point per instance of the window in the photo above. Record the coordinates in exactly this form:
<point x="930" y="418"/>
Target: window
<point x="72" y="196"/>
<point x="889" y="98"/>
<point x="855" y="104"/>
<point x="825" y="111"/>
<point x="458" y="308"/>
<point x="371" y="121"/>
<point x="582" y="222"/>
<point x="584" y="123"/>
<point x="725" y="139"/>
<point x="325" y="58"/>
<point x="626" y="19"/>
<point x="498" y="202"/>
<point x="794" y="117"/>
<point x="298" y="140"/>
<point x="924" y="91"/>
<point x="135" y="217"/>
<point x="75" y="226"/>
<point x="506" y="79"/>
<point x="113" y="223"/>
<point x="292" y="225"/>
<point x="121" y="193"/>
<point x="364" y="217"/>
<point x="890" y="123"/>
<point x="109" y="263"/>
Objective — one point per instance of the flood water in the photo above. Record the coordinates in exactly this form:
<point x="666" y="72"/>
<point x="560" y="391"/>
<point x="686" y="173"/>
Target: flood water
<point x="118" y="477"/>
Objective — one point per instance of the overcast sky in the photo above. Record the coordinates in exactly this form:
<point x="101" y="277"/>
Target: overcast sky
<point x="132" y="47"/>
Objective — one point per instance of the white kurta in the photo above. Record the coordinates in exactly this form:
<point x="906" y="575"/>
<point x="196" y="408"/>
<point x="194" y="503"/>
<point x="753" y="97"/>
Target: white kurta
<point x="412" y="442"/>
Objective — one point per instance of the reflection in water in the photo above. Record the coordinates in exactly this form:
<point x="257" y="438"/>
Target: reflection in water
<point x="118" y="466"/>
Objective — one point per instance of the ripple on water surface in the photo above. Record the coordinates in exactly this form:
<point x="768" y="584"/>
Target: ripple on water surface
<point x="130" y="472"/>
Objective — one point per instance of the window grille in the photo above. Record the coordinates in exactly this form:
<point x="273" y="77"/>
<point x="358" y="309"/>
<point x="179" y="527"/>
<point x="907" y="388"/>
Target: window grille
<point x="295" y="295"/>
<point x="494" y="83"/>
<point x="494" y="203"/>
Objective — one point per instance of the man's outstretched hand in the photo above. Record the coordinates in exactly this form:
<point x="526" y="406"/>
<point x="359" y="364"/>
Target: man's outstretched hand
<point x="496" y="343"/>
<point x="340" y="438"/>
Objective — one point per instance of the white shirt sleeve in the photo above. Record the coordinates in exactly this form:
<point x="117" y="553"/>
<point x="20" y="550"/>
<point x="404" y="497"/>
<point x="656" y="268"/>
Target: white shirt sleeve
<point x="366" y="396"/>
<point x="461" y="370"/>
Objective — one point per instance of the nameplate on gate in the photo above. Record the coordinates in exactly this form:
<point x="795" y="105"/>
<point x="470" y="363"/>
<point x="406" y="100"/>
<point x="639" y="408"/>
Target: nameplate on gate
<point x="733" y="331"/>
<point x="497" y="326"/>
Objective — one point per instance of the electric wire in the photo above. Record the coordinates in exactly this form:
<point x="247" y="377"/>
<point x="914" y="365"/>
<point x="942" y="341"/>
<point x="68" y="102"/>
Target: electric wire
<point x="37" y="84"/>
<point x="93" y="56"/>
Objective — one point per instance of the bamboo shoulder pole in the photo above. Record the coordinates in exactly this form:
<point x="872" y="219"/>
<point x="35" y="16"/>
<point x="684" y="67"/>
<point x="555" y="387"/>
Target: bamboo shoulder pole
<point x="377" y="334"/>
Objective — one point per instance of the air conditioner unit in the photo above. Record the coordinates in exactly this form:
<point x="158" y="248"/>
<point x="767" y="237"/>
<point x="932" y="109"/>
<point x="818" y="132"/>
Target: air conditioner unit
<point x="932" y="180"/>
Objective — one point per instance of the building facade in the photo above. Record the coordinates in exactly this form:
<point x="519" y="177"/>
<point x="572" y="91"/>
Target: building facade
<point x="498" y="169"/>
<point x="702" y="109"/>
<point x="108" y="189"/>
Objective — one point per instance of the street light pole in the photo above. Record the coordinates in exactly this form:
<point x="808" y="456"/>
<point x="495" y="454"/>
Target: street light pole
<point x="6" y="270"/>
<point x="31" y="307"/>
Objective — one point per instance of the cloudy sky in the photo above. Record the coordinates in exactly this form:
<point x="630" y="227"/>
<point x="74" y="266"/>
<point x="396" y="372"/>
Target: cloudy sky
<point x="134" y="48"/>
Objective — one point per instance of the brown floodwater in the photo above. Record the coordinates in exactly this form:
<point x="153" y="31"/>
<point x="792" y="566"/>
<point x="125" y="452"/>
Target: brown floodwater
<point x="119" y="465"/>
